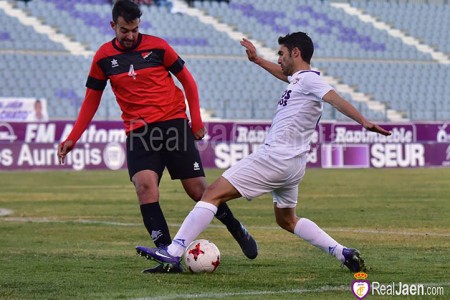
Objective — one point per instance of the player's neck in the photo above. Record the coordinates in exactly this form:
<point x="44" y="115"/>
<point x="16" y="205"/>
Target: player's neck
<point x="303" y="66"/>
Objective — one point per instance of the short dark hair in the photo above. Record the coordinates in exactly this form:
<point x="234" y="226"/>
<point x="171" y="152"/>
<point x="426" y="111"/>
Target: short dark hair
<point x="301" y="41"/>
<point x="126" y="9"/>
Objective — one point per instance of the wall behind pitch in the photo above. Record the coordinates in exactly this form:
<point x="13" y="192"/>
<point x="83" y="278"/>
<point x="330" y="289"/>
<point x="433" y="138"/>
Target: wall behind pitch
<point x="28" y="146"/>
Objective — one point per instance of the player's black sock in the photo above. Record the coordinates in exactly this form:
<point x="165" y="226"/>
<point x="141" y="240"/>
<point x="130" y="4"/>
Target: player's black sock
<point x="156" y="224"/>
<point x="225" y="216"/>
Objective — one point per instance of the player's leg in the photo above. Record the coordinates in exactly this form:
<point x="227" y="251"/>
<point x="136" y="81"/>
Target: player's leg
<point x="195" y="188"/>
<point x="145" y="167"/>
<point x="183" y="162"/>
<point x="197" y="220"/>
<point x="285" y="203"/>
<point x="242" y="179"/>
<point x="306" y="229"/>
<point x="146" y="185"/>
<point x="202" y="214"/>
<point x="286" y="217"/>
<point x="313" y="234"/>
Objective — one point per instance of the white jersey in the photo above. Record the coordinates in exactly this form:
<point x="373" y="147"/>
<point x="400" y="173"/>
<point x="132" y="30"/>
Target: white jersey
<point x="297" y="114"/>
<point x="279" y="166"/>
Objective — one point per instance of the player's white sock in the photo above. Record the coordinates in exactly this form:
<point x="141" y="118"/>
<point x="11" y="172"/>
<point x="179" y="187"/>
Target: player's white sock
<point x="198" y="219"/>
<point x="313" y="234"/>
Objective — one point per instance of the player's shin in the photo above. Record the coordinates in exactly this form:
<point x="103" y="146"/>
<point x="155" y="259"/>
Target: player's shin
<point x="225" y="216"/>
<point x="198" y="219"/>
<point x="313" y="234"/>
<point x="156" y="224"/>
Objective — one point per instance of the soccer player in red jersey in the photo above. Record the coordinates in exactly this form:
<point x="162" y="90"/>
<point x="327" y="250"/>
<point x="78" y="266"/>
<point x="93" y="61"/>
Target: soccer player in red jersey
<point x="139" y="68"/>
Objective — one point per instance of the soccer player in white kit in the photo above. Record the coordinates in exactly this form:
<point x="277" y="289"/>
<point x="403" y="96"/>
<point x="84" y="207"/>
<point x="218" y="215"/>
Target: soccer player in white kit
<point x="279" y="164"/>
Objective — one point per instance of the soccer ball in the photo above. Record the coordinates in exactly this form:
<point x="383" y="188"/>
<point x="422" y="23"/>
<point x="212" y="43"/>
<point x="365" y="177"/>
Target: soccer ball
<point x="202" y="256"/>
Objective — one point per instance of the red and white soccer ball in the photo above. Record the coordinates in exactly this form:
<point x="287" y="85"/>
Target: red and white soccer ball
<point x="202" y="256"/>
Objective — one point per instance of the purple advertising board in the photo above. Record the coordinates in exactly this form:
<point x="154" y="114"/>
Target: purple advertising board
<point x="26" y="146"/>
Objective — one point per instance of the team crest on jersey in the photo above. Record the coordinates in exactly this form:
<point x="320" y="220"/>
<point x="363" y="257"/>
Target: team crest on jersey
<point x="146" y="55"/>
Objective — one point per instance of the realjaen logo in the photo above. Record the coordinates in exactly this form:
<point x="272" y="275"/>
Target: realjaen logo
<point x="131" y="72"/>
<point x="360" y="286"/>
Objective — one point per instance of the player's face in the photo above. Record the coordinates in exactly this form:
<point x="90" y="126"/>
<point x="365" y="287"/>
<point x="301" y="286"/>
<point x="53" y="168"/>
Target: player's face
<point x="38" y="106"/>
<point x="286" y="61"/>
<point x="126" y="33"/>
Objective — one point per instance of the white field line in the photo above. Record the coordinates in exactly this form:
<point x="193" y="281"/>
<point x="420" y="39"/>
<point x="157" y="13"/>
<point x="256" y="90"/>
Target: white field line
<point x="322" y="289"/>
<point x="177" y="225"/>
<point x="5" y="212"/>
<point x="249" y="293"/>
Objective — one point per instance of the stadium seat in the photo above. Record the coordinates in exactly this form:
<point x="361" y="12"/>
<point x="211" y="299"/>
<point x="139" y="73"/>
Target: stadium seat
<point x="355" y="53"/>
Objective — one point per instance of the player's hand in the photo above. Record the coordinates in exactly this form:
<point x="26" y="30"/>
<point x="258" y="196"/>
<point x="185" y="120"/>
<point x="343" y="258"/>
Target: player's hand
<point x="64" y="148"/>
<point x="375" y="128"/>
<point x="250" y="49"/>
<point x="200" y="134"/>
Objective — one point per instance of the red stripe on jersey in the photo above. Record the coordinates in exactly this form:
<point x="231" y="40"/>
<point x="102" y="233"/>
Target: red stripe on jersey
<point x="140" y="80"/>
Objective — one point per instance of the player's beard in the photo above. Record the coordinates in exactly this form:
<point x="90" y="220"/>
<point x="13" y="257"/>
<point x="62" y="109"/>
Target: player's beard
<point x="287" y="70"/>
<point x="287" y="66"/>
<point x="127" y="44"/>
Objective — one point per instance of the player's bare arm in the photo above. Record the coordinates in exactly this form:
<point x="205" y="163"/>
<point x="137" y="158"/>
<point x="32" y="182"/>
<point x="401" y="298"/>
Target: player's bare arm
<point x="350" y="111"/>
<point x="269" y="66"/>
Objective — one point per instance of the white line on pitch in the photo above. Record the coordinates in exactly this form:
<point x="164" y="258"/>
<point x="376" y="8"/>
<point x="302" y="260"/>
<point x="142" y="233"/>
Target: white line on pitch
<point x="110" y="223"/>
<point x="322" y="289"/>
<point x="249" y="293"/>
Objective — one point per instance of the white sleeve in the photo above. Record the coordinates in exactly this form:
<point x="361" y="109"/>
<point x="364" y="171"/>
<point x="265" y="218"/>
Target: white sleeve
<point x="315" y="85"/>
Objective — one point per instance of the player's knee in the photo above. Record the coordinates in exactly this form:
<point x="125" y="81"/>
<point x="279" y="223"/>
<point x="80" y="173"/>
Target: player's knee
<point x="195" y="188"/>
<point x="196" y="191"/>
<point x="196" y="195"/>
<point x="211" y="196"/>
<point x="146" y="192"/>
<point x="286" y="224"/>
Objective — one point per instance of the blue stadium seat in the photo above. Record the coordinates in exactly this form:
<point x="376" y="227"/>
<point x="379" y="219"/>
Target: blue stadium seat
<point x="354" y="52"/>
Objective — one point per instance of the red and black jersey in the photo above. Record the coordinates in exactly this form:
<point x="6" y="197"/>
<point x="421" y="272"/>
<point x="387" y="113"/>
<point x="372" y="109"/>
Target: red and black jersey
<point x="140" y="79"/>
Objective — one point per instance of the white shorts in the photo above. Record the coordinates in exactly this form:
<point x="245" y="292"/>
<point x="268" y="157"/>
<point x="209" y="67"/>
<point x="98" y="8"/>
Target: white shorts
<point x="263" y="172"/>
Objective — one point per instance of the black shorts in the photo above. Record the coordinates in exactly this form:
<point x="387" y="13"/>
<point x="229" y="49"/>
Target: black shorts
<point x="158" y="145"/>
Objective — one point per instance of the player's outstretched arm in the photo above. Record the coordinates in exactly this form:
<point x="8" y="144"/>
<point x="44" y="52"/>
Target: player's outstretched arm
<point x="191" y="91"/>
<point x="269" y="66"/>
<point x="87" y="112"/>
<point x="350" y="111"/>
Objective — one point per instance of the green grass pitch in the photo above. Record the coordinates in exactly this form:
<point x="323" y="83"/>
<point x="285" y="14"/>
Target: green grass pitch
<point x="71" y="235"/>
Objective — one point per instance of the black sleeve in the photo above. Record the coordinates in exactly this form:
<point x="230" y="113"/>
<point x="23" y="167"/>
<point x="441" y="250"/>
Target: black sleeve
<point x="96" y="84"/>
<point x="177" y="66"/>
